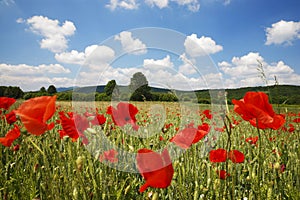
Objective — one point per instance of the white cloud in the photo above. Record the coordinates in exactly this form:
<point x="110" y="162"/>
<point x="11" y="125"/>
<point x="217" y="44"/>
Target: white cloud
<point x="54" y="35"/>
<point x="131" y="45"/>
<point x="126" y="4"/>
<point x="187" y="67"/>
<point x="158" y="64"/>
<point x="193" y="5"/>
<point x="200" y="46"/>
<point x="243" y="71"/>
<point x="23" y="69"/>
<point x="159" y="3"/>
<point x="283" y="32"/>
<point x="34" y="77"/>
<point x="92" y="55"/>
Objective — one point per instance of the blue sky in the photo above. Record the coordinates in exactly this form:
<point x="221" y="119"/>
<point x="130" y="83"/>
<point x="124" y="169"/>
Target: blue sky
<point x="79" y="42"/>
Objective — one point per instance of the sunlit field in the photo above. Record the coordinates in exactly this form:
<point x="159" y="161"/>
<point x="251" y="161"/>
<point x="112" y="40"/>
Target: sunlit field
<point x="246" y="153"/>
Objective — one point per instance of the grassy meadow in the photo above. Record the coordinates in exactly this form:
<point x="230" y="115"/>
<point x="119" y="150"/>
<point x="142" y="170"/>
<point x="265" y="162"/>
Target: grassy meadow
<point x="48" y="167"/>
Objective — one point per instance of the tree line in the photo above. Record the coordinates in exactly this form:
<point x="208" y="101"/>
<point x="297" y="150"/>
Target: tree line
<point x="139" y="90"/>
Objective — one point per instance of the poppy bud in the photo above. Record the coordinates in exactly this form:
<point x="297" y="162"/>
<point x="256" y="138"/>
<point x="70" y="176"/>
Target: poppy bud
<point x="277" y="165"/>
<point x="155" y="196"/>
<point x="79" y="162"/>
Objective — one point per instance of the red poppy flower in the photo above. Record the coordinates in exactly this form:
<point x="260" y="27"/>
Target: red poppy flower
<point x="252" y="140"/>
<point x="35" y="112"/>
<point x="10" y="136"/>
<point x="236" y="156"/>
<point x="124" y="114"/>
<point x="74" y="126"/>
<point x="11" y="117"/>
<point x="99" y="119"/>
<point x="6" y="102"/>
<point x="207" y="114"/>
<point x="291" y="128"/>
<point x="255" y="107"/>
<point x="222" y="174"/>
<point x="156" y="169"/>
<point x="110" y="156"/>
<point x="218" y="155"/>
<point x="297" y="120"/>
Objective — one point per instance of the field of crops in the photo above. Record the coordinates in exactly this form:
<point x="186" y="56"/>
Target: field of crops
<point x="149" y="150"/>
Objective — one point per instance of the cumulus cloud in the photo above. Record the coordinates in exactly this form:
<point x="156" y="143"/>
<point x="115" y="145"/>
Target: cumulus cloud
<point x="283" y="32"/>
<point x="54" y="36"/>
<point x="159" y="3"/>
<point x="192" y="5"/>
<point x="125" y="4"/>
<point x="131" y="45"/>
<point x="158" y="64"/>
<point x="195" y="46"/>
<point x="187" y="67"/>
<point x="23" y="69"/>
<point x="93" y="54"/>
<point x="243" y="71"/>
<point x="34" y="77"/>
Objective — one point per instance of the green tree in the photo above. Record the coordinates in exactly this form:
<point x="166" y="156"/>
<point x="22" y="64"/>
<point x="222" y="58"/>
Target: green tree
<point x="111" y="87"/>
<point x="51" y="90"/>
<point x="139" y="87"/>
<point x="43" y="90"/>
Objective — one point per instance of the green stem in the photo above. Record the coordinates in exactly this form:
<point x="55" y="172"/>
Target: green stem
<point x="259" y="159"/>
<point x="36" y="146"/>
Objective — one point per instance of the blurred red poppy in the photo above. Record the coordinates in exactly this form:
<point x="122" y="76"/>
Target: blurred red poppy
<point x="156" y="169"/>
<point x="222" y="174"/>
<point x="252" y="140"/>
<point x="10" y="136"/>
<point x="6" y="102"/>
<point x="110" y="155"/>
<point x="35" y="112"/>
<point x="236" y="156"/>
<point x="218" y="155"/>
<point x="124" y="114"/>
<point x="73" y="126"/>
<point x="99" y="119"/>
<point x="189" y="136"/>
<point x="207" y="113"/>
<point x="297" y="120"/>
<point x="255" y="107"/>
<point x="11" y="117"/>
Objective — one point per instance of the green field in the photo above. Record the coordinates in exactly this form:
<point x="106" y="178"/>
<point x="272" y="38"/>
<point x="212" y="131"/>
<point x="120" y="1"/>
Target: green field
<point x="48" y="167"/>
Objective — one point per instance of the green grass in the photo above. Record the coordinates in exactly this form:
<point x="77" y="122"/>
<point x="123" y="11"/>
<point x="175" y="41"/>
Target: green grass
<point x="46" y="167"/>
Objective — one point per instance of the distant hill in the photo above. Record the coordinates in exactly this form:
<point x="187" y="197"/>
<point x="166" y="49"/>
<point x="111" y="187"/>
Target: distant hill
<point x="278" y="94"/>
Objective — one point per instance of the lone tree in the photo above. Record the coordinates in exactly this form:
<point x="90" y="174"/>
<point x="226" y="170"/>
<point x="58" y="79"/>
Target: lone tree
<point x="111" y="87"/>
<point x="51" y="90"/>
<point x="139" y="87"/>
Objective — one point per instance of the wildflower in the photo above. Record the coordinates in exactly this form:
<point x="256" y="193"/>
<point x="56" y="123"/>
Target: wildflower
<point x="222" y="174"/>
<point x="10" y="136"/>
<point x="6" y="102"/>
<point x="256" y="109"/>
<point x="252" y="140"/>
<point x="35" y="112"/>
<point x="73" y="126"/>
<point x="11" y="117"/>
<point x="155" y="168"/>
<point x="98" y="119"/>
<point x="219" y="155"/>
<point x="124" y="114"/>
<point x="110" y="156"/>
<point x="189" y="136"/>
<point x="236" y="156"/>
